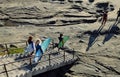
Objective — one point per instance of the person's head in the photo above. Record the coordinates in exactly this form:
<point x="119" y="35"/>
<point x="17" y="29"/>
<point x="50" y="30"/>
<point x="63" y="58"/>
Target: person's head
<point x="61" y="35"/>
<point x="105" y="11"/>
<point x="30" y="39"/>
<point x="37" y="42"/>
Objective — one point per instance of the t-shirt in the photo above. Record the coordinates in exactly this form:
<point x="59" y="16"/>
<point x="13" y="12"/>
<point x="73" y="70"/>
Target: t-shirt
<point x="31" y="47"/>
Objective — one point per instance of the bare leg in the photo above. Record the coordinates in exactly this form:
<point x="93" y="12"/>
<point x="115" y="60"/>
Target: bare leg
<point x="117" y="18"/>
<point x="102" y="22"/>
<point x="105" y="21"/>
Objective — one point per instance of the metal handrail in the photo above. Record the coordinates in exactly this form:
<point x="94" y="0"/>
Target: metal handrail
<point x="6" y="48"/>
<point x="28" y="58"/>
<point x="14" y="42"/>
<point x="49" y="59"/>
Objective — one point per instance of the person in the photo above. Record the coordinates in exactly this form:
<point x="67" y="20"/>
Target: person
<point x="60" y="38"/>
<point x="30" y="45"/>
<point x="118" y="15"/>
<point x="38" y="49"/>
<point x="104" y="18"/>
<point x="38" y="45"/>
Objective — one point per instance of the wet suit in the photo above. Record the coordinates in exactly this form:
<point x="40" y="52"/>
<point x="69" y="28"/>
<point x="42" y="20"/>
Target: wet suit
<point x="39" y="47"/>
<point x="60" y="39"/>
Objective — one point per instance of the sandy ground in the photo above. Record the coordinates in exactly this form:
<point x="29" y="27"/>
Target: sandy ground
<point x="98" y="52"/>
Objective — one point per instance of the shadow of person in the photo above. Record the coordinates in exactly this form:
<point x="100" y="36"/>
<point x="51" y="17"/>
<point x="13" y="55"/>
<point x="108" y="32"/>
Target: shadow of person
<point x="92" y="39"/>
<point x="30" y="66"/>
<point x="100" y="28"/>
<point x="113" y="29"/>
<point x="116" y="22"/>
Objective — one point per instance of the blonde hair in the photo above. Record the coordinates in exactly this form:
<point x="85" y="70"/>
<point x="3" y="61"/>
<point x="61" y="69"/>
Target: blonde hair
<point x="38" y="39"/>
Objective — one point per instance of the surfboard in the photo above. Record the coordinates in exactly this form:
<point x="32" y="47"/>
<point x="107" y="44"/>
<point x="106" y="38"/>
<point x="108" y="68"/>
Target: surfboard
<point x="61" y="44"/>
<point x="44" y="46"/>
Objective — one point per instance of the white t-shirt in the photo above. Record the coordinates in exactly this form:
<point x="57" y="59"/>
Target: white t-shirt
<point x="31" y="47"/>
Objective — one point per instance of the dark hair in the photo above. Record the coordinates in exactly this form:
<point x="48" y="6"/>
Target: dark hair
<point x="61" y="35"/>
<point x="30" y="39"/>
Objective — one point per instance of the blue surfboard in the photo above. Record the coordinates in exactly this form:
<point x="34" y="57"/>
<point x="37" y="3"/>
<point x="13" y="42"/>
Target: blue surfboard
<point x="44" y="46"/>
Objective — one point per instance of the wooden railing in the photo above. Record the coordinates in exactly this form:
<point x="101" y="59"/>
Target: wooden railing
<point x="5" y="47"/>
<point x="29" y="59"/>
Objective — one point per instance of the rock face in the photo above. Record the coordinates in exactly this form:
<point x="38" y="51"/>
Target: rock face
<point x="14" y="13"/>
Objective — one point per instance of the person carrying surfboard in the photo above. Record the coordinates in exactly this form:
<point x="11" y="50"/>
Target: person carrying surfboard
<point x="38" y="50"/>
<point x="30" y="45"/>
<point x="60" y="38"/>
<point x="41" y="48"/>
<point x="38" y="46"/>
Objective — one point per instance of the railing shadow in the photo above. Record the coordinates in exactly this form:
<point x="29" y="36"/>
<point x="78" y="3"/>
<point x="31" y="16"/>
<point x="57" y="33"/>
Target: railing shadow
<point x="60" y="72"/>
<point x="92" y="39"/>
<point x="28" y="64"/>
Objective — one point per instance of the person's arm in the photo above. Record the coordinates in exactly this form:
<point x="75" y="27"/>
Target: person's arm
<point x="41" y="49"/>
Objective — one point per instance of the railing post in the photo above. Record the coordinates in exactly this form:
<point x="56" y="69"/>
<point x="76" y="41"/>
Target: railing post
<point x="7" y="49"/>
<point x="6" y="70"/>
<point x="30" y="64"/>
<point x="64" y="55"/>
<point x="49" y="60"/>
<point x="26" y="43"/>
<point x="30" y="61"/>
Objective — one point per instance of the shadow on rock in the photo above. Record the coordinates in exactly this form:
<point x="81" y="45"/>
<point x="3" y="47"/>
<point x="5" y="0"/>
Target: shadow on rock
<point x="92" y="39"/>
<point x="113" y="29"/>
